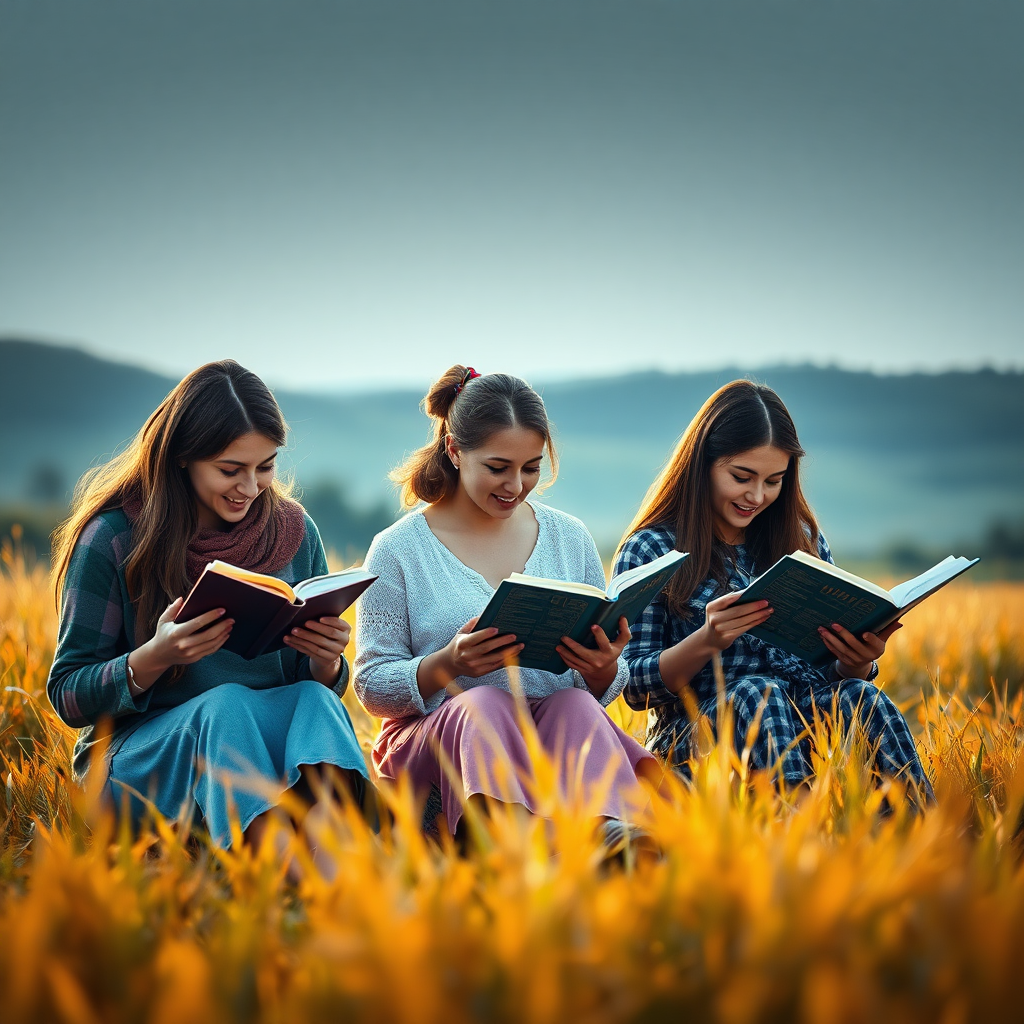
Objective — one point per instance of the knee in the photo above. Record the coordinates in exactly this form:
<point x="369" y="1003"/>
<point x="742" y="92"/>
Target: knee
<point x="481" y="721"/>
<point x="221" y="700"/>
<point x="484" y="702"/>
<point x="859" y="699"/>
<point x="572" y="701"/>
<point x="754" y="691"/>
<point x="223" y="714"/>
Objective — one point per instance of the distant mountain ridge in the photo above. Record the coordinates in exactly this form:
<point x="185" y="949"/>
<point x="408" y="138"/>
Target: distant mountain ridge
<point x="932" y="457"/>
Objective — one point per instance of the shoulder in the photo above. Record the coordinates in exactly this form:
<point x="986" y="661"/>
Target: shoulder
<point x="311" y="533"/>
<point x="563" y="540"/>
<point x="100" y="552"/>
<point x="108" y="533"/>
<point x="645" y="545"/>
<point x="824" y="551"/>
<point x="561" y="523"/>
<point x="399" y="538"/>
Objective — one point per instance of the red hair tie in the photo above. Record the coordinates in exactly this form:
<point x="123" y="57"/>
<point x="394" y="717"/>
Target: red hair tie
<point x="470" y="374"/>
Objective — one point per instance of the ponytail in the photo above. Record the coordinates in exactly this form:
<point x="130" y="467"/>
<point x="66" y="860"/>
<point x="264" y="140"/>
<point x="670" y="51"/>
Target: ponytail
<point x="468" y="408"/>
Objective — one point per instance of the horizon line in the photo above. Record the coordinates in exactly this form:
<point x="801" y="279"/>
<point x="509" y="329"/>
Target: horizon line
<point x="378" y="386"/>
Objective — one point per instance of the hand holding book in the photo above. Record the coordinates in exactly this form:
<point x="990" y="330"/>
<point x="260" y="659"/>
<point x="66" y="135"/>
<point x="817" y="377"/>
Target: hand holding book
<point x="855" y="655"/>
<point x="725" y="619"/>
<point x="323" y="641"/>
<point x="821" y="612"/>
<point x="598" y="664"/>
<point x="269" y="614"/>
<point x="542" y="613"/>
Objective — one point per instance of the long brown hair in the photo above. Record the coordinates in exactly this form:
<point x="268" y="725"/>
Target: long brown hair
<point x="737" y="417"/>
<point x="469" y="410"/>
<point x="211" y="408"/>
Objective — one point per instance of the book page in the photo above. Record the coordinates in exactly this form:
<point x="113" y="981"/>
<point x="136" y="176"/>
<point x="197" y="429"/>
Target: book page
<point x="256" y="579"/>
<point x="317" y="585"/>
<point x="930" y="579"/>
<point x="624" y="580"/>
<point x="568" y="586"/>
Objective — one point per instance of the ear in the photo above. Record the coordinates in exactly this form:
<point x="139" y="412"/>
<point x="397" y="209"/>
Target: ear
<point x="452" y="449"/>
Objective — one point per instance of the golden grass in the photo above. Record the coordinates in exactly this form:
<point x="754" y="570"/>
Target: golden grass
<point x="827" y="911"/>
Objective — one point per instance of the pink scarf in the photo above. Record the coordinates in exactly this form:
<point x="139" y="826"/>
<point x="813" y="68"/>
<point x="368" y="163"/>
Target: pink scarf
<point x="258" y="542"/>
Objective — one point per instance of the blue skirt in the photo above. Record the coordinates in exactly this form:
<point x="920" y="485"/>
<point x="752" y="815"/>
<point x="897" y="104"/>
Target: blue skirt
<point x="196" y="758"/>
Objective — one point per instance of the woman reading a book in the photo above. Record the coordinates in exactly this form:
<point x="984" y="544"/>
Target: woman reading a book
<point x="442" y="686"/>
<point x="197" y="484"/>
<point x="731" y="496"/>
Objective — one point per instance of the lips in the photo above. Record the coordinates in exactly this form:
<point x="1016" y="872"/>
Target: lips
<point x="745" y="510"/>
<point x="505" y="502"/>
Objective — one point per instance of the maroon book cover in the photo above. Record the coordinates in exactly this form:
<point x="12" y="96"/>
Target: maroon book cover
<point x="262" y="619"/>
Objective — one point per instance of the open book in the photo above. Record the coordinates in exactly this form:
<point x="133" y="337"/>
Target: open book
<point x="806" y="592"/>
<point x="265" y="608"/>
<point x="540" y="611"/>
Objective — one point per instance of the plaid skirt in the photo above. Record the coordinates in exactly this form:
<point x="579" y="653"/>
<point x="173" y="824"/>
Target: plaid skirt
<point x="781" y="713"/>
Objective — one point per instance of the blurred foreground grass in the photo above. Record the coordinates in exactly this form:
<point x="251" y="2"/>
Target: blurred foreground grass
<point x="826" y="912"/>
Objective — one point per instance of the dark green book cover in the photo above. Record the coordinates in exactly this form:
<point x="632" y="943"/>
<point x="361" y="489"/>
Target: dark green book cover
<point x="540" y="614"/>
<point x="806" y="592"/>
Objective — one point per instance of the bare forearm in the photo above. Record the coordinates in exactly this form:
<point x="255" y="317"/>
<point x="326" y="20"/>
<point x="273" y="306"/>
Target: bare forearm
<point x="434" y="673"/>
<point x="680" y="663"/>
<point x="146" y="666"/>
<point x="326" y="672"/>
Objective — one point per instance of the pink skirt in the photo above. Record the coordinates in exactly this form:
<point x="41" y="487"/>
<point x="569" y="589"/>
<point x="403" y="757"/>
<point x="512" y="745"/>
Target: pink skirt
<point x="474" y="745"/>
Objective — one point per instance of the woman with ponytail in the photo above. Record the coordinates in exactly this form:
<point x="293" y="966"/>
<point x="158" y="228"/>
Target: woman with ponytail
<point x="197" y="484"/>
<point x="441" y="686"/>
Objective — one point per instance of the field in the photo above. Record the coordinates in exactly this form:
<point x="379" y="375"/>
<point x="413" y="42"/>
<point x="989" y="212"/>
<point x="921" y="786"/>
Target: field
<point x="823" y="909"/>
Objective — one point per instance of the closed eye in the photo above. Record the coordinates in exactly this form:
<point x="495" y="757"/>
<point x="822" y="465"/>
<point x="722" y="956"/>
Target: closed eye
<point x="499" y="470"/>
<point x="259" y="469"/>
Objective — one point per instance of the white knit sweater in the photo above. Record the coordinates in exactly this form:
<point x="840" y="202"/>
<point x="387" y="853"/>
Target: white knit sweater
<point x="425" y="595"/>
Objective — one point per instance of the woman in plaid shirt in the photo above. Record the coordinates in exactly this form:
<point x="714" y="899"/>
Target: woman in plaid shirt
<point x="731" y="496"/>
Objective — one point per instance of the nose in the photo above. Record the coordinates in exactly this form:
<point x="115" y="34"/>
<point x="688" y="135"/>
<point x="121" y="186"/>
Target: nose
<point x="756" y="492"/>
<point x="249" y="487"/>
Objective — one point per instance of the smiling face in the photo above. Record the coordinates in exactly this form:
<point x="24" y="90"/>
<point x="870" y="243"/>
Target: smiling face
<point x="743" y="486"/>
<point x="226" y="485"/>
<point x="496" y="477"/>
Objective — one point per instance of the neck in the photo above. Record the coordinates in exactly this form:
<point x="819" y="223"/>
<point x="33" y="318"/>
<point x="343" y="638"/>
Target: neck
<point x="208" y="520"/>
<point x="730" y="537"/>
<point x="464" y="514"/>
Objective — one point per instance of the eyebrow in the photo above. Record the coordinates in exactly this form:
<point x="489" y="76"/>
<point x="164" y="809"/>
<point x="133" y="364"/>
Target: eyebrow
<point x="499" y="458"/>
<point x="753" y="472"/>
<point x="237" y="462"/>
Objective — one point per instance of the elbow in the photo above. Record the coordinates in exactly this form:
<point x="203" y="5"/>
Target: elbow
<point x="634" y="701"/>
<point x="62" y="700"/>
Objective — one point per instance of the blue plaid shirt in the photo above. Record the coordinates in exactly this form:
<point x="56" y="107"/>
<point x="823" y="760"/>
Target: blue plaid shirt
<point x="657" y="628"/>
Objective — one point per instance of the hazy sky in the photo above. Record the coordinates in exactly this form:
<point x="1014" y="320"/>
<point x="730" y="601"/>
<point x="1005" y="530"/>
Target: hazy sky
<point x="343" y="194"/>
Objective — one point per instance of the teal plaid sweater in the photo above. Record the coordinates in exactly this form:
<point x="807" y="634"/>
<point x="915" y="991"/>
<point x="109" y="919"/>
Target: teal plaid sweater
<point x="88" y="682"/>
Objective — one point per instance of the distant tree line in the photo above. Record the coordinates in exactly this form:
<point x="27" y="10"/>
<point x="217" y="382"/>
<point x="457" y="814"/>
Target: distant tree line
<point x="1000" y="547"/>
<point x="345" y="527"/>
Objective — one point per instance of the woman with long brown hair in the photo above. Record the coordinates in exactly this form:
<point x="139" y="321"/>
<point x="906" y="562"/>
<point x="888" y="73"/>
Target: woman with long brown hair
<point x="441" y="685"/>
<point x="730" y="495"/>
<point x="196" y="484"/>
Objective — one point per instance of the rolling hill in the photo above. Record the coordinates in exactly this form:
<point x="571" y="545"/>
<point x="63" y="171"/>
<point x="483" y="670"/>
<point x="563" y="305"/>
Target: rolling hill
<point x="926" y="457"/>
